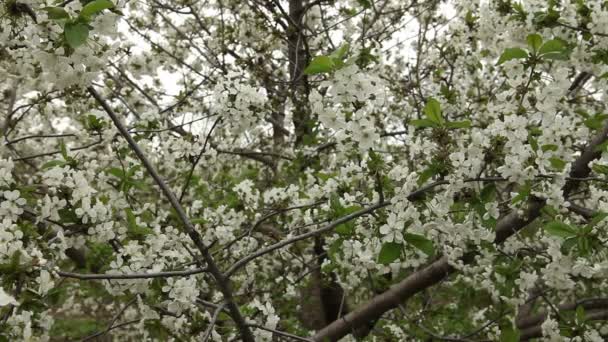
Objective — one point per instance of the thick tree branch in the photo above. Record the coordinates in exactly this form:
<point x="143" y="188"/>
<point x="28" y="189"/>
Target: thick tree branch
<point x="537" y="331"/>
<point x="539" y="318"/>
<point x="432" y="274"/>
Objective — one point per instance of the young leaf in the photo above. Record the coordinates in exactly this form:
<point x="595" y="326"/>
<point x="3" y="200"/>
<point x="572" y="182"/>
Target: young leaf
<point x="389" y="252"/>
<point x="56" y="13"/>
<point x="601" y="147"/>
<point x="580" y="314"/>
<point x="549" y="147"/>
<point x="420" y="242"/>
<point x="433" y="111"/>
<point x="595" y="122"/>
<point x="560" y="229"/>
<point x="597" y="218"/>
<point x="131" y="221"/>
<point x="345" y="228"/>
<point x="365" y="3"/>
<point x="488" y="193"/>
<point x="116" y="172"/>
<point x="569" y="244"/>
<point x="534" y="41"/>
<point x="340" y="53"/>
<point x="557" y="163"/>
<point x="562" y="56"/>
<point x="76" y="34"/>
<point x="512" y="53"/>
<point x="53" y="163"/>
<point x="423" y="123"/>
<point x="133" y="229"/>
<point x="584" y="245"/>
<point x="319" y="65"/>
<point x="64" y="150"/>
<point x="552" y="46"/>
<point x="95" y="7"/>
<point x="427" y="173"/>
<point x="599" y="168"/>
<point x="508" y="334"/>
<point x="523" y="193"/>
<point x="459" y="124"/>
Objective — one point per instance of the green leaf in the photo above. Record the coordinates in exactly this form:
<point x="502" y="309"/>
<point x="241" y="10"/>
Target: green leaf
<point x="560" y="229"/>
<point x="459" y="124"/>
<point x="533" y="142"/>
<point x="133" y="229"/>
<point x="534" y="41"/>
<point x="549" y="211"/>
<point x="420" y="242"/>
<point x="68" y="216"/>
<point x="599" y="168"/>
<point x="76" y="34"/>
<point x="376" y="162"/>
<point x="552" y="46"/>
<point x="423" y="123"/>
<point x="95" y="7"/>
<point x="63" y="149"/>
<point x="389" y="252"/>
<point x="339" y="211"/>
<point x="584" y="245"/>
<point x="597" y="218"/>
<point x="131" y="221"/>
<point x="523" y="193"/>
<point x="601" y="147"/>
<point x="569" y="244"/>
<point x="488" y="193"/>
<point x="508" y="334"/>
<point x="56" y="13"/>
<point x="596" y="122"/>
<point x="365" y="3"/>
<point x="319" y="65"/>
<point x="116" y="172"/>
<point x="432" y="110"/>
<point x="557" y="163"/>
<point x="512" y="53"/>
<point x="335" y="205"/>
<point x="580" y="314"/>
<point x="340" y="53"/>
<point x="548" y="147"/>
<point x="427" y="173"/>
<point x="53" y="163"/>
<point x="94" y="123"/>
<point x="344" y="229"/>
<point x="562" y="56"/>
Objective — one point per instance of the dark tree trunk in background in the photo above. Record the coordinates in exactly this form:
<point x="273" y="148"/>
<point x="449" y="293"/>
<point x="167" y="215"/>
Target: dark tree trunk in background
<point x="298" y="59"/>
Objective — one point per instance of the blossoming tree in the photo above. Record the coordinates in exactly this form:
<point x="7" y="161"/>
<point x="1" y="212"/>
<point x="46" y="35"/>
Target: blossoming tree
<point x="303" y="170"/>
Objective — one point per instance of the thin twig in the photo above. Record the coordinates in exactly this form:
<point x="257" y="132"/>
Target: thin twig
<point x="216" y="314"/>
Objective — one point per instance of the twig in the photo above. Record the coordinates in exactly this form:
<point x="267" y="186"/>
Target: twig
<point x="282" y="333"/>
<point x="216" y="314"/>
<point x="90" y="337"/>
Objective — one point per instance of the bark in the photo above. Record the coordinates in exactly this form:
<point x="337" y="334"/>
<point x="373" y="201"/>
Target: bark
<point x="298" y="59"/>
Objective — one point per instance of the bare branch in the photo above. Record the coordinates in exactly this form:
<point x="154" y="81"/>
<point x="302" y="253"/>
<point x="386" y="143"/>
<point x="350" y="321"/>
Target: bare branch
<point x="167" y="274"/>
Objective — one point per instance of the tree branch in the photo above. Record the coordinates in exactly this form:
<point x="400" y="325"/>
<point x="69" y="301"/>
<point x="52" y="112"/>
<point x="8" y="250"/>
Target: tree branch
<point x="439" y="269"/>
<point x="168" y="274"/>
<point x="222" y="281"/>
